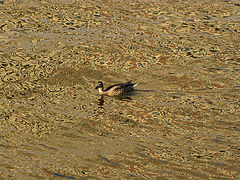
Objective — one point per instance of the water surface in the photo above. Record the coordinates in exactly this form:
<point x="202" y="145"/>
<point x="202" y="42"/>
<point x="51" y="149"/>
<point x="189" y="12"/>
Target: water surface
<point x="182" y="122"/>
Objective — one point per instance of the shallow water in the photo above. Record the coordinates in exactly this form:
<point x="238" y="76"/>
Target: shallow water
<point x="182" y="122"/>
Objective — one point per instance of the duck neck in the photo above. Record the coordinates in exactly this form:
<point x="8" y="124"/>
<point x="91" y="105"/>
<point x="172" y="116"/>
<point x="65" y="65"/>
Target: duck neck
<point x="100" y="90"/>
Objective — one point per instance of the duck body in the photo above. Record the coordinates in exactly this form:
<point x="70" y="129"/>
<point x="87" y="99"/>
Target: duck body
<point x="116" y="89"/>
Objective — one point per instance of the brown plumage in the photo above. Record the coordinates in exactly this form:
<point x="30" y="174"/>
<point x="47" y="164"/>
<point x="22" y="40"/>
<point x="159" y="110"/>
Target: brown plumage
<point x="116" y="89"/>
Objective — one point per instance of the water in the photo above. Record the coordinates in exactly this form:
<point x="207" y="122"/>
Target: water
<point x="182" y="122"/>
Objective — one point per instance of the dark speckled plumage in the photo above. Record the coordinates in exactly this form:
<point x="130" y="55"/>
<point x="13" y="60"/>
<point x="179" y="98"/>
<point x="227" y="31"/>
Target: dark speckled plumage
<point x="116" y="89"/>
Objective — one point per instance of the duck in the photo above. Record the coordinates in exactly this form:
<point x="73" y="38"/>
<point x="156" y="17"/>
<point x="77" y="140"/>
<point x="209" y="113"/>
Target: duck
<point x="116" y="89"/>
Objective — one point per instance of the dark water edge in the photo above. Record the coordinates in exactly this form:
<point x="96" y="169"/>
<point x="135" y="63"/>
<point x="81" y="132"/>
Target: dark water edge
<point x="182" y="122"/>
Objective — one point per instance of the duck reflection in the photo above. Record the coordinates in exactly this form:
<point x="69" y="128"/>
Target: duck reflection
<point x="101" y="101"/>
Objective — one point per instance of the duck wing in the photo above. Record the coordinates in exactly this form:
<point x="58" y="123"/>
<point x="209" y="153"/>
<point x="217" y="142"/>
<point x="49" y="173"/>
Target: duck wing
<point x="127" y="84"/>
<point x="113" y="86"/>
<point x="119" y="86"/>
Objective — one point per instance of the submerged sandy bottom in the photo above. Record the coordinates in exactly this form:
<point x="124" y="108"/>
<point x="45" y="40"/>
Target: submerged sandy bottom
<point x="183" y="120"/>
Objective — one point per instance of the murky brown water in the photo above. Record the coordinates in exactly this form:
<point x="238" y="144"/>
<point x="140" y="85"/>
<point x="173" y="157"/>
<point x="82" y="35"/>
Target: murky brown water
<point x="182" y="122"/>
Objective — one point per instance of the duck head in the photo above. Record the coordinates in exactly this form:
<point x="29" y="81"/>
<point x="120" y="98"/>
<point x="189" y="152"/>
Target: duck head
<point x="100" y="86"/>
